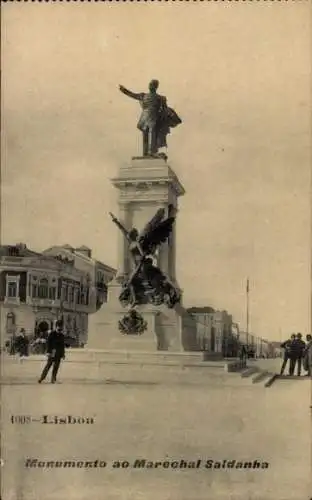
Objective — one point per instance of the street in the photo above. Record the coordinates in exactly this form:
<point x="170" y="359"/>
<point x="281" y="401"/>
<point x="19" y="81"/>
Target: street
<point x="223" y="418"/>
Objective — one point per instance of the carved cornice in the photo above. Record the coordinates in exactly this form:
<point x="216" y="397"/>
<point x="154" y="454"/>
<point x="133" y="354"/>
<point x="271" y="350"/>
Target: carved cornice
<point x="139" y="184"/>
<point x="155" y="199"/>
<point x="143" y="184"/>
<point x="160" y="193"/>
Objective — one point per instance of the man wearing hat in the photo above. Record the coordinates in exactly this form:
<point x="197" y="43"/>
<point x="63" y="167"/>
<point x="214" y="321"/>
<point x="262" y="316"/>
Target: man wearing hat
<point x="55" y="352"/>
<point x="307" y="356"/>
<point x="296" y="354"/>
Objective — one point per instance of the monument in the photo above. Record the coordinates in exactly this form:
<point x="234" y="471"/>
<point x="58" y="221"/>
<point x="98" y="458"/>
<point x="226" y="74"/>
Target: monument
<point x="142" y="310"/>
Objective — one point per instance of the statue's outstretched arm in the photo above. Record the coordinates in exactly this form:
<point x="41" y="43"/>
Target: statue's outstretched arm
<point x="129" y="93"/>
<point x="118" y="224"/>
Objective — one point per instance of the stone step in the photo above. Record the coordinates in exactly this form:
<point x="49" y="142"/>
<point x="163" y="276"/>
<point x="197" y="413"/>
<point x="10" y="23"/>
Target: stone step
<point x="28" y="372"/>
<point x="87" y="367"/>
<point x="249" y="371"/>
<point x="289" y="378"/>
<point x="118" y="355"/>
<point x="111" y="356"/>
<point x="136" y="377"/>
<point x="261" y="376"/>
<point x="271" y="380"/>
<point x="235" y="366"/>
<point x="292" y="377"/>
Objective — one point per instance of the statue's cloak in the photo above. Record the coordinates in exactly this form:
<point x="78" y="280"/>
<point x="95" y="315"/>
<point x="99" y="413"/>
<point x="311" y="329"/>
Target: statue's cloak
<point x="168" y="119"/>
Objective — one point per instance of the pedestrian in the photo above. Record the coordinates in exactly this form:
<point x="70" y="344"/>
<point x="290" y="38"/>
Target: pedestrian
<point x="307" y="356"/>
<point x="55" y="352"/>
<point x="7" y="346"/>
<point x="243" y="355"/>
<point x="12" y="345"/>
<point x="287" y="348"/>
<point x="22" y="343"/>
<point x="296" y="353"/>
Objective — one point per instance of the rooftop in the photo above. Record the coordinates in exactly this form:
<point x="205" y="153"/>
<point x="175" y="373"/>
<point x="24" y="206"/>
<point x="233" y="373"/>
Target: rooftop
<point x="17" y="250"/>
<point x="201" y="310"/>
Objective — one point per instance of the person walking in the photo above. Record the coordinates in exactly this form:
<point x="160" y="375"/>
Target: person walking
<point x="55" y="352"/>
<point x="307" y="356"/>
<point x="287" y="349"/>
<point x="296" y="354"/>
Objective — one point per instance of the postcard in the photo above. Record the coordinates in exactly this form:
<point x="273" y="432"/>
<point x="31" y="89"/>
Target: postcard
<point x="155" y="266"/>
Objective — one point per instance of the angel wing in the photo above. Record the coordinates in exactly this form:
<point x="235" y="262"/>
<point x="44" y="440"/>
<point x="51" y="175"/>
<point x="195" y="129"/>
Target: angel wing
<point x="158" y="217"/>
<point x="159" y="234"/>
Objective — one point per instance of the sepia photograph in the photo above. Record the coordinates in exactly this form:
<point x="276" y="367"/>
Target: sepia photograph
<point x="155" y="253"/>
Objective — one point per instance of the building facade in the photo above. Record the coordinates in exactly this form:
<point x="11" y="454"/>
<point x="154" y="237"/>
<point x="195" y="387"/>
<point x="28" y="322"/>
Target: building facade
<point x="36" y="289"/>
<point x="99" y="274"/>
<point x="257" y="346"/>
<point x="208" y="330"/>
<point x="205" y="329"/>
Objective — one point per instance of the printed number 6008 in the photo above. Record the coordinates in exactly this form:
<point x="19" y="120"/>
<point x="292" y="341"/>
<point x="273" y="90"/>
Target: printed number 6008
<point x="20" y="419"/>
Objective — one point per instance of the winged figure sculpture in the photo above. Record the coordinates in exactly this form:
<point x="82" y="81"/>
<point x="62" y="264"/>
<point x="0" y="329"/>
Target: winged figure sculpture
<point x="146" y="282"/>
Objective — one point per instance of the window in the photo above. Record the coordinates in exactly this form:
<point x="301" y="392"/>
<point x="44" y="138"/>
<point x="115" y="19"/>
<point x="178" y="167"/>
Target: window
<point x="70" y="294"/>
<point x="59" y="289"/>
<point x="43" y="288"/>
<point x="52" y="293"/>
<point x="10" y="322"/>
<point x="65" y="292"/>
<point x="12" y="289"/>
<point x="33" y="286"/>
<point x="82" y="295"/>
<point x="68" y="323"/>
<point x="13" y="251"/>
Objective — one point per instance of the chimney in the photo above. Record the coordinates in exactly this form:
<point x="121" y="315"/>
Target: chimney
<point x="85" y="251"/>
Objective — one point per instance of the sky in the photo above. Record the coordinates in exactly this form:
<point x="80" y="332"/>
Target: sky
<point x="238" y="74"/>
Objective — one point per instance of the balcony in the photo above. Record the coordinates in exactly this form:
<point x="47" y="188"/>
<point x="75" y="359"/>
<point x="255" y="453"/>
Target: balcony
<point x="14" y="301"/>
<point x="82" y="308"/>
<point x="11" y="260"/>
<point x="38" y="302"/>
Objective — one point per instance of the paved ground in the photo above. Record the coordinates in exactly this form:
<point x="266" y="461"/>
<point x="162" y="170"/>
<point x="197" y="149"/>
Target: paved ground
<point x="273" y="364"/>
<point x="224" y="418"/>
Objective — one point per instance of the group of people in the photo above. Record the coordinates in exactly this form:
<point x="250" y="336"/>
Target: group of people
<point x="298" y="353"/>
<point x="18" y="344"/>
<point x="54" y="348"/>
<point x="23" y="344"/>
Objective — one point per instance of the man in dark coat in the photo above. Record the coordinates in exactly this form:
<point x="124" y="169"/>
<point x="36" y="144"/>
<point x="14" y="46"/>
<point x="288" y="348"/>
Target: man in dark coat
<point x="287" y="349"/>
<point x="55" y="352"/>
<point x="307" y="356"/>
<point x="296" y="354"/>
<point x="243" y="355"/>
<point x="22" y="343"/>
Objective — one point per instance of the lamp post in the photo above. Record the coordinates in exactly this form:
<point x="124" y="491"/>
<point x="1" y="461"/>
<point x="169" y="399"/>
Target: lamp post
<point x="247" y="311"/>
<point x="61" y="297"/>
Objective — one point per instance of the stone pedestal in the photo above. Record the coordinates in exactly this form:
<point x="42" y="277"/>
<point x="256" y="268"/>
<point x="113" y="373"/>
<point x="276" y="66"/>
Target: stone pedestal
<point x="145" y="185"/>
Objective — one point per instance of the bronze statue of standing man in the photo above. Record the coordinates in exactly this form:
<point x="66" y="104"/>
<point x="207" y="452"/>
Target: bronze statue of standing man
<point x="156" y="118"/>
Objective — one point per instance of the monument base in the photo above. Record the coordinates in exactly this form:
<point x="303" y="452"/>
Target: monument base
<point x="163" y="327"/>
